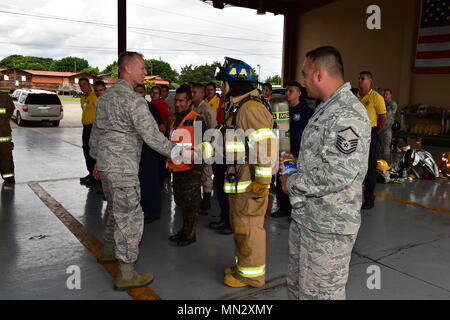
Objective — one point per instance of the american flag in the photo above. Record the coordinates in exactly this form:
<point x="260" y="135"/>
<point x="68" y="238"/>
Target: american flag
<point x="433" y="47"/>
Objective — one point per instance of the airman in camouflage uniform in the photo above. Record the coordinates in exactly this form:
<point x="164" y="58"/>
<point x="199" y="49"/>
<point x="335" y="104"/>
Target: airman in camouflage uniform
<point x="326" y="191"/>
<point x="386" y="134"/>
<point x="123" y="121"/>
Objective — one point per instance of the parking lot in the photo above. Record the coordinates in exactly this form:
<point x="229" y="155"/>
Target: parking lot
<point x="71" y="119"/>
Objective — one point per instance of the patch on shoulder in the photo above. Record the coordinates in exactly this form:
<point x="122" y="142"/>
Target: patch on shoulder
<point x="347" y="141"/>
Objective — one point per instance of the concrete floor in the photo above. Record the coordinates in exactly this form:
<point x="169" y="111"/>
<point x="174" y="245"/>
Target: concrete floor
<point x="410" y="244"/>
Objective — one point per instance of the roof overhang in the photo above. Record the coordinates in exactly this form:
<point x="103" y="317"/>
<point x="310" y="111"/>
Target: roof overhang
<point x="274" y="6"/>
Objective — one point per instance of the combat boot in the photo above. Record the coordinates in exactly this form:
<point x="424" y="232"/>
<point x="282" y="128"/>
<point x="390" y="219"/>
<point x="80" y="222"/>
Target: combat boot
<point x="190" y="235"/>
<point x="205" y="204"/>
<point x="127" y="278"/>
<point x="181" y="233"/>
<point x="107" y="253"/>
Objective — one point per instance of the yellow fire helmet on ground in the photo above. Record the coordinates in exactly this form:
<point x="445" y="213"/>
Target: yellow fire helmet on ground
<point x="382" y="165"/>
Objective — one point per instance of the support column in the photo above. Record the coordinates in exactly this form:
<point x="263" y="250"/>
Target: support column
<point x="289" y="47"/>
<point x="122" y="26"/>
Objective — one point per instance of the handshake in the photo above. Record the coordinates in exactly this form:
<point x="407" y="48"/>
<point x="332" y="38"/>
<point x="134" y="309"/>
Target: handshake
<point x="287" y="167"/>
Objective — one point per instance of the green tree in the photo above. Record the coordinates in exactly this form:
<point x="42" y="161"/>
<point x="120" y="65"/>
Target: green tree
<point x="112" y="68"/>
<point x="69" y="64"/>
<point x="275" y="80"/>
<point x="200" y="74"/>
<point x="91" y="70"/>
<point x="26" y="62"/>
<point x="161" y="68"/>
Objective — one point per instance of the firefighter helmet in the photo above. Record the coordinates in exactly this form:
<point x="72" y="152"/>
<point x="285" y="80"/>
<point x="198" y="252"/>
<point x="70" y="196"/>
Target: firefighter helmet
<point x="234" y="69"/>
<point x="382" y="165"/>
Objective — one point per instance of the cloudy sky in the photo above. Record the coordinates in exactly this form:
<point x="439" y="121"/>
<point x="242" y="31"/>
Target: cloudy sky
<point x="177" y="31"/>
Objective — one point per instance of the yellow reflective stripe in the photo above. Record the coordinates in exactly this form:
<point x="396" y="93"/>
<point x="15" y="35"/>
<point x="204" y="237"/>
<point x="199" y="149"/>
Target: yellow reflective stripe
<point x="251" y="272"/>
<point x="234" y="146"/>
<point x="2" y="110"/>
<point x="260" y="135"/>
<point x="5" y="139"/>
<point x="208" y="150"/>
<point x="263" y="172"/>
<point x="8" y="175"/>
<point x="233" y="188"/>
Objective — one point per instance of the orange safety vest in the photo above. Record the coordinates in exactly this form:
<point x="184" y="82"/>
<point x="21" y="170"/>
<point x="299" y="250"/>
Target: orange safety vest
<point x="184" y="138"/>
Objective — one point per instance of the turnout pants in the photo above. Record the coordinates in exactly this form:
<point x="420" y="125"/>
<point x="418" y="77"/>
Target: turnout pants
<point x="318" y="264"/>
<point x="6" y="160"/>
<point x="247" y="213"/>
<point x="124" y="216"/>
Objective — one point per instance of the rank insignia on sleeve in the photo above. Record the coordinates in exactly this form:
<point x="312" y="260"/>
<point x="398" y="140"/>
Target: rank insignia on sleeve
<point x="347" y="141"/>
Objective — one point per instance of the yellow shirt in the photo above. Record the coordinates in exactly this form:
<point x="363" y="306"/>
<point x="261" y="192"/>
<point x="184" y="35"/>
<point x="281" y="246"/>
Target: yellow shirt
<point x="214" y="102"/>
<point x="374" y="104"/>
<point x="88" y="106"/>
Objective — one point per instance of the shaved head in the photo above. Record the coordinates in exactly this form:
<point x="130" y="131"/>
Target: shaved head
<point x="329" y="59"/>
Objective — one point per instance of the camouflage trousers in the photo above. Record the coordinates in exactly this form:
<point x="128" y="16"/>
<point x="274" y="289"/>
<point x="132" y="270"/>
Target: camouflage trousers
<point x="124" y="216"/>
<point x="385" y="142"/>
<point x="207" y="180"/>
<point x="187" y="195"/>
<point x="318" y="264"/>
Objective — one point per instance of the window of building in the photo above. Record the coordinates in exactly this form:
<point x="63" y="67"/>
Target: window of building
<point x="6" y="77"/>
<point x="24" y="78"/>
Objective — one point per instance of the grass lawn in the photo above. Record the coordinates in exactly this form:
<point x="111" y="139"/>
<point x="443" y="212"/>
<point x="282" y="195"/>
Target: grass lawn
<point x="68" y="99"/>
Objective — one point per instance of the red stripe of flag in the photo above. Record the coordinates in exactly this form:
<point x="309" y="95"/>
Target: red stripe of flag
<point x="435" y="38"/>
<point x="433" y="54"/>
<point x="430" y="70"/>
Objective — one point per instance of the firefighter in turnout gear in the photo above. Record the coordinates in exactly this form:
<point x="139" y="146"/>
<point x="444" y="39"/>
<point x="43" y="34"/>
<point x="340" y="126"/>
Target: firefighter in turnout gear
<point x="6" y="144"/>
<point x="250" y="160"/>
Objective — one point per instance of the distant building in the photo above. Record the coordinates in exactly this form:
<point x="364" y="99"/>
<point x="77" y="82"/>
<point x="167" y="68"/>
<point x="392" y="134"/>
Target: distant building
<point x="15" y="78"/>
<point x="157" y="80"/>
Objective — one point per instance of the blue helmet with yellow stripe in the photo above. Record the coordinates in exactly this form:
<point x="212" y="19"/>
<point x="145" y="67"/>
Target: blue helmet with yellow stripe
<point x="236" y="70"/>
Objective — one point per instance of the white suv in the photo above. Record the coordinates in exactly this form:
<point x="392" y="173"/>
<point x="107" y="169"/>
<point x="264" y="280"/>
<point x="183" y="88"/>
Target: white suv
<point x="36" y="105"/>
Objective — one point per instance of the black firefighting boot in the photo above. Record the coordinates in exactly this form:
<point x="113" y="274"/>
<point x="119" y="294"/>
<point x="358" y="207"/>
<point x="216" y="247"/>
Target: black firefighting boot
<point x="127" y="278"/>
<point x="190" y="235"/>
<point x="10" y="181"/>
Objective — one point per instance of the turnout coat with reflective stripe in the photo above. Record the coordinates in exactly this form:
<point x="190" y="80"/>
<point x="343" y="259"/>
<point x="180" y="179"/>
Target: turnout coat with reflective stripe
<point x="6" y="111"/>
<point x="254" y="119"/>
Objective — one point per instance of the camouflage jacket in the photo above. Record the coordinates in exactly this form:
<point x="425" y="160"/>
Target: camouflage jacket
<point x="331" y="166"/>
<point x="206" y="111"/>
<point x="391" y="108"/>
<point x="122" y="122"/>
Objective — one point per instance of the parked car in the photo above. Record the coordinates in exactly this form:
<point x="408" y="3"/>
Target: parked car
<point x="77" y="94"/>
<point x="36" y="105"/>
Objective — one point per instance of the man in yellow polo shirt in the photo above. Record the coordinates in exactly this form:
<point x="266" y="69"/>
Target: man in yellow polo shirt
<point x="88" y="101"/>
<point x="211" y="97"/>
<point x="376" y="108"/>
